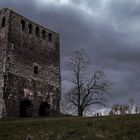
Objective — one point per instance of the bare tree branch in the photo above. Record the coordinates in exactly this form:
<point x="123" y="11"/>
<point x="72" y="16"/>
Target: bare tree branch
<point x="88" y="88"/>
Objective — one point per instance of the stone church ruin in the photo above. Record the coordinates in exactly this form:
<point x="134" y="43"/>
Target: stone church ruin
<point x="30" y="83"/>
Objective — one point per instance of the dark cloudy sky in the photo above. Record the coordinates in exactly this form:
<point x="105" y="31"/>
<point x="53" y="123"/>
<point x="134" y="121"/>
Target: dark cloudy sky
<point x="109" y="30"/>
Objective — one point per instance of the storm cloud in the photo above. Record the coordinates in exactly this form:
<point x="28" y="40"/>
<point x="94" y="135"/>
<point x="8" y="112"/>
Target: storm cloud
<point x="108" y="30"/>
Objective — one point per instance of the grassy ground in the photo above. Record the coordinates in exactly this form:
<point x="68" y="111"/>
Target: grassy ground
<point x="71" y="128"/>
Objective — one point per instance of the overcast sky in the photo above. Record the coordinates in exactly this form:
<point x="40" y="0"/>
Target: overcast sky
<point x="109" y="31"/>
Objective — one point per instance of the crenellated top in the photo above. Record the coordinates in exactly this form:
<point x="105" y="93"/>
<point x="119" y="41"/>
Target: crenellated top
<point x="30" y="27"/>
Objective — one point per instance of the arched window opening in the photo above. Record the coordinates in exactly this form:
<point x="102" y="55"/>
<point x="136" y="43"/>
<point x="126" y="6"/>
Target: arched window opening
<point x="44" y="109"/>
<point x="50" y="37"/>
<point x="37" y="31"/>
<point x="3" y="22"/>
<point x="22" y="24"/>
<point x="30" y="28"/>
<point x="25" y="108"/>
<point x="44" y="34"/>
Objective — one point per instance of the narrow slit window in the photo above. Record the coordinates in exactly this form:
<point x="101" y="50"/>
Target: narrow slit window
<point x="30" y="28"/>
<point x="44" y="34"/>
<point x="50" y="37"/>
<point x="37" y="31"/>
<point x="22" y="24"/>
<point x="12" y="46"/>
<point x="3" y="22"/>
<point x="36" y="70"/>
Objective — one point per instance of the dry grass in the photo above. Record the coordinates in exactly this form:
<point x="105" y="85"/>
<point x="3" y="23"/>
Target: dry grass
<point x="71" y="128"/>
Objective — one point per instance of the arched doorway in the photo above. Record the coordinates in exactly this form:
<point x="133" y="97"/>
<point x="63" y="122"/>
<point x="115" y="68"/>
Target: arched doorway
<point x="25" y="108"/>
<point x="44" y="109"/>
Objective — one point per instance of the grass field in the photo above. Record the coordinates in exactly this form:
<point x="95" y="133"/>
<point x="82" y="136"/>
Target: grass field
<point x="71" y="128"/>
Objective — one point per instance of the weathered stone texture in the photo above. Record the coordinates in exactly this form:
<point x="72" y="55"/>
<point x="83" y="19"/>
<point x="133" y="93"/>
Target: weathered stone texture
<point x="29" y="66"/>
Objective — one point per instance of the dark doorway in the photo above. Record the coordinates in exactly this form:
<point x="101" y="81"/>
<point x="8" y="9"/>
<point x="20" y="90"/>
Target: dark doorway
<point x="25" y="108"/>
<point x="44" y="109"/>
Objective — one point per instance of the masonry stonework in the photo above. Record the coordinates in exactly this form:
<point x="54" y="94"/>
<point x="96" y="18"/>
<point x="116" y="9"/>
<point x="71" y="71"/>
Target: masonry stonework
<point x="30" y="83"/>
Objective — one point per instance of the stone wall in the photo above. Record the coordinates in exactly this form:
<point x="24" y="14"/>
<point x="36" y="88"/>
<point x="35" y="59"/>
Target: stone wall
<point x="3" y="47"/>
<point x="32" y="69"/>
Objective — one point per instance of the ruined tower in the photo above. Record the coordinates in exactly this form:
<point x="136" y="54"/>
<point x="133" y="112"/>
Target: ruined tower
<point x="29" y="67"/>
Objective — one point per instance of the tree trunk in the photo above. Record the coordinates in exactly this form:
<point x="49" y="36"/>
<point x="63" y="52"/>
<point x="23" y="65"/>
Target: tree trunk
<point x="80" y="111"/>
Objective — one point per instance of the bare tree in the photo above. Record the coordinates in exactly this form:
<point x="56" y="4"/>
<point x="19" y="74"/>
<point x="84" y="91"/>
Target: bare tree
<point x="136" y="109"/>
<point x="88" y="86"/>
<point x="120" y="109"/>
<point x="115" y="109"/>
<point x="111" y="113"/>
<point x="124" y="108"/>
<point x="131" y="101"/>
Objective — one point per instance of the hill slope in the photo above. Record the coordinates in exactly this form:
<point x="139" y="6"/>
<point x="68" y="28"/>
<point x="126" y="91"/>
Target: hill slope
<point x="72" y="128"/>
